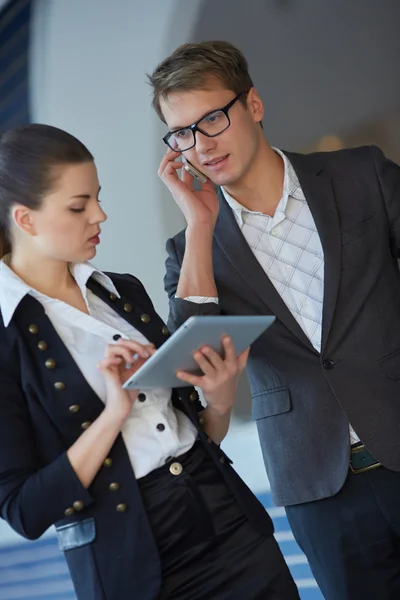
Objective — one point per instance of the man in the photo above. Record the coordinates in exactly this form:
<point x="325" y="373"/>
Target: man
<point x="313" y="239"/>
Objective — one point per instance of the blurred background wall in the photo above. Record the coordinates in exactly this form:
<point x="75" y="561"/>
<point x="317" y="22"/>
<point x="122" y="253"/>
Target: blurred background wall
<point x="328" y="74"/>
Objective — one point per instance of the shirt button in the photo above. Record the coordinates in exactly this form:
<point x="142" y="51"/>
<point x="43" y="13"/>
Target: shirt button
<point x="78" y="505"/>
<point x="328" y="363"/>
<point x="160" y="427"/>
<point x="121" y="507"/>
<point x="69" y="511"/>
<point x="116" y="337"/>
<point x="141" y="397"/>
<point x="108" y="462"/>
<point x="114" y="487"/>
<point x="273" y="231"/>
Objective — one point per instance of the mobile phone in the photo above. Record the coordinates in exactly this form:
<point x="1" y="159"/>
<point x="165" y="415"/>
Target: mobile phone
<point x="193" y="171"/>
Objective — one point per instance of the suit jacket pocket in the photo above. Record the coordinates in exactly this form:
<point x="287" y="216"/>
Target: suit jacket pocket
<point x="75" y="535"/>
<point x="356" y="231"/>
<point x="269" y="403"/>
<point x="357" y="243"/>
<point x="391" y="365"/>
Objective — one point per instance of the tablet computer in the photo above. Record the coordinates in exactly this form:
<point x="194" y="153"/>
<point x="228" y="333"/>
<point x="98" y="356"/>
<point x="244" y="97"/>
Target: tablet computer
<point x="176" y="354"/>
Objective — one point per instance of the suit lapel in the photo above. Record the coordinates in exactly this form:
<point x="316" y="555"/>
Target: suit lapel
<point x="320" y="197"/>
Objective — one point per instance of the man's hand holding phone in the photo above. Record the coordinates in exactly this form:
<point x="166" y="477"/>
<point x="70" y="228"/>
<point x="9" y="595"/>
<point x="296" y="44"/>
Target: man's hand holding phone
<point x="199" y="207"/>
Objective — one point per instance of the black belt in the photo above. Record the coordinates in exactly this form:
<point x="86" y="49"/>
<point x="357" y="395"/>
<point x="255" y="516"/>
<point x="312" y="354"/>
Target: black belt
<point x="361" y="460"/>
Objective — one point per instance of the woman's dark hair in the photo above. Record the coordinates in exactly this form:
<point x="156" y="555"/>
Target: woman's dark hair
<point x="28" y="157"/>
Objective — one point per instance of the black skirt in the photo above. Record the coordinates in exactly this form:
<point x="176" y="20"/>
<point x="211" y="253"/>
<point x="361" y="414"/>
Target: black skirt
<point x="208" y="548"/>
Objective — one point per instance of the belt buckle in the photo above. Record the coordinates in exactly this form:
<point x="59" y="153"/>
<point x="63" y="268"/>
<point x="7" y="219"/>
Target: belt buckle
<point x="362" y="469"/>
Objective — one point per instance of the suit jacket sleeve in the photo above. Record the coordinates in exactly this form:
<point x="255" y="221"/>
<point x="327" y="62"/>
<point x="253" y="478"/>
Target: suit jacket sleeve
<point x="180" y="310"/>
<point x="32" y="496"/>
<point x="389" y="179"/>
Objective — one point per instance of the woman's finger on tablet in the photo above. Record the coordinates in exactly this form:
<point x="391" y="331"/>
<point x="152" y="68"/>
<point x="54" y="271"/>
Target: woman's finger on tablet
<point x="144" y="350"/>
<point x="213" y="358"/>
<point x="194" y="380"/>
<point x="204" y="361"/>
<point x="229" y="348"/>
<point x="242" y="359"/>
<point x="128" y="348"/>
<point x="120" y="351"/>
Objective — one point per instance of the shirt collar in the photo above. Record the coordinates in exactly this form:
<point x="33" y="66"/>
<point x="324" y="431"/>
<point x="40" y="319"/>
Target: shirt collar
<point x="13" y="289"/>
<point x="291" y="187"/>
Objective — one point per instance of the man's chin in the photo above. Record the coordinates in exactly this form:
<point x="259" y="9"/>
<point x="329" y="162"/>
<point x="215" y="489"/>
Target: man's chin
<point x="224" y="180"/>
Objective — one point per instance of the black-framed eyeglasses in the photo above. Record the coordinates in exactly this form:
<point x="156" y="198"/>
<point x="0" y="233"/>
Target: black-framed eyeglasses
<point x="211" y="125"/>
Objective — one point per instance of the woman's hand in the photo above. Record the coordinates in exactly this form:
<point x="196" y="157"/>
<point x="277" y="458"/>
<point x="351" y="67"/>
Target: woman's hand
<point x="121" y="361"/>
<point x="220" y="375"/>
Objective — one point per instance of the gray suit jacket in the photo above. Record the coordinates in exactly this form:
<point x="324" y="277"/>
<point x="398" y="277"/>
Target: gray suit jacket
<point x="303" y="401"/>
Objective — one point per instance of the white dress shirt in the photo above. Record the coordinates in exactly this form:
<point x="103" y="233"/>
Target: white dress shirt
<point x="86" y="337"/>
<point x="288" y="247"/>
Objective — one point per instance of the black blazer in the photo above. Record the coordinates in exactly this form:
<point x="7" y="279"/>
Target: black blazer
<point x="45" y="403"/>
<point x="302" y="400"/>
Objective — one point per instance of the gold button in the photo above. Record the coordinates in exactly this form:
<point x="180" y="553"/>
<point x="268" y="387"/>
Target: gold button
<point x="86" y="424"/>
<point x="69" y="511"/>
<point x="128" y="307"/>
<point x="145" y="318"/>
<point x="42" y="346"/>
<point x="113" y="297"/>
<point x="165" y="331"/>
<point x="114" y="487"/>
<point x="74" y="408"/>
<point x="60" y="385"/>
<point x="201" y="420"/>
<point x="50" y="363"/>
<point x="108" y="462"/>
<point x="33" y="329"/>
<point x="78" y="505"/>
<point x="194" y="396"/>
<point x="176" y="468"/>
<point x="121" y="507"/>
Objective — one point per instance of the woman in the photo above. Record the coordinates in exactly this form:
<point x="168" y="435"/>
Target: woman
<point x="145" y="503"/>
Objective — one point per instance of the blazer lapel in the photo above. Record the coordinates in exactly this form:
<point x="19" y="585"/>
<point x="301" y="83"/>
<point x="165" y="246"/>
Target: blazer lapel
<point x="135" y="310"/>
<point x="320" y="197"/>
<point x="234" y="246"/>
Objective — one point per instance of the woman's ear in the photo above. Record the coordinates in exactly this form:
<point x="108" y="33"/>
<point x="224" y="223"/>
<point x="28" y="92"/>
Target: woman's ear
<point x="23" y="219"/>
